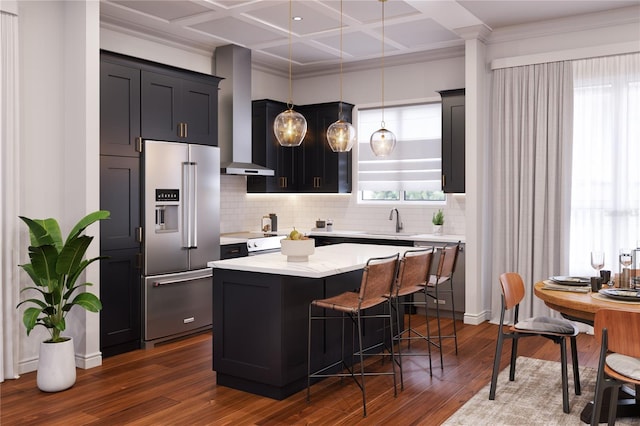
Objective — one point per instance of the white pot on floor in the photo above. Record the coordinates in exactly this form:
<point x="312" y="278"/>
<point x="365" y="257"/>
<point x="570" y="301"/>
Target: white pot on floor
<point x="56" y="366"/>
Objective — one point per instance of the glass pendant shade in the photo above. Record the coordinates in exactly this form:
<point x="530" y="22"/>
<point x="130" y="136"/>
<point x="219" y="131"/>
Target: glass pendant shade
<point x="382" y="142"/>
<point x="290" y="127"/>
<point x="341" y="136"/>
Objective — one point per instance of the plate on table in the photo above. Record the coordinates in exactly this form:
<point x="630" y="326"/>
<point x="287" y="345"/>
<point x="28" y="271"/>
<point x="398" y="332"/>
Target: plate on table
<point x="571" y="280"/>
<point x="621" y="293"/>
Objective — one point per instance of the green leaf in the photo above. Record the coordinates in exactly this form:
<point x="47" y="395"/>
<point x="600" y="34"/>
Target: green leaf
<point x="89" y="301"/>
<point x="72" y="254"/>
<point x="30" y="317"/>
<point x="34" y="301"/>
<point x="43" y="262"/>
<point x="86" y="221"/>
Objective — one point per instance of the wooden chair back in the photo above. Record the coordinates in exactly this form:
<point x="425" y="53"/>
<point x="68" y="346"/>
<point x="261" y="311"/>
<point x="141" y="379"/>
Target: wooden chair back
<point x="512" y="289"/>
<point x="623" y="330"/>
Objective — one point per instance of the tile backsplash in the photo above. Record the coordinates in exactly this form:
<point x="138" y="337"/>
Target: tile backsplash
<point x="240" y="211"/>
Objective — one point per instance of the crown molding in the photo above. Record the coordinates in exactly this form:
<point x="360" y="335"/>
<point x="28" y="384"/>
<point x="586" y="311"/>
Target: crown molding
<point x="610" y="18"/>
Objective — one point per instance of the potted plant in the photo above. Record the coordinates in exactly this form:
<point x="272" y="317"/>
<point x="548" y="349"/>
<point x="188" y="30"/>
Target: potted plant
<point x="55" y="267"/>
<point x="437" y="220"/>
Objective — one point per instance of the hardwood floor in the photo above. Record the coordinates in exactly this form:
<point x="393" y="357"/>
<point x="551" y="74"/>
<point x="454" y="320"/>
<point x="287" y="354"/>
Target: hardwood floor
<point x="174" y="384"/>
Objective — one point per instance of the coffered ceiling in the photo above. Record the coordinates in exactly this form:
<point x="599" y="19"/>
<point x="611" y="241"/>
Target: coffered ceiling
<point x="411" y="27"/>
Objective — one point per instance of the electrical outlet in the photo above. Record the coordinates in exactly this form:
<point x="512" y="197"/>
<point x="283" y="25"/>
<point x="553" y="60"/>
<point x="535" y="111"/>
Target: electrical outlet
<point x="440" y="301"/>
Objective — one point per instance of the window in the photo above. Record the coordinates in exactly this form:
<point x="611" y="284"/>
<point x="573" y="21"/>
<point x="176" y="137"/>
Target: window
<point x="605" y="195"/>
<point x="412" y="173"/>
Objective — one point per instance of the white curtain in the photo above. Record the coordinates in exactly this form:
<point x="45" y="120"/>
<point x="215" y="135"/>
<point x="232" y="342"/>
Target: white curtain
<point x="531" y="155"/>
<point x="9" y="322"/>
<point x="605" y="204"/>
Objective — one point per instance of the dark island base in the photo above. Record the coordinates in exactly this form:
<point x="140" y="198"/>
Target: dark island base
<point x="260" y="330"/>
<point x="262" y="389"/>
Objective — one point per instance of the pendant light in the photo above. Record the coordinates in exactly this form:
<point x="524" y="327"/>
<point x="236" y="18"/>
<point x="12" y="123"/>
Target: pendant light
<point x="341" y="135"/>
<point x="382" y="141"/>
<point x="290" y="126"/>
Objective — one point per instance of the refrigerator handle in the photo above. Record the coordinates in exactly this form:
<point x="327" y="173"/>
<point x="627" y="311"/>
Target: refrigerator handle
<point x="189" y="212"/>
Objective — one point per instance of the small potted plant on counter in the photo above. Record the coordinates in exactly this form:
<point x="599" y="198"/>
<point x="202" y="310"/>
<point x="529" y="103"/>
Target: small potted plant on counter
<point x="55" y="267"/>
<point x="438" y="221"/>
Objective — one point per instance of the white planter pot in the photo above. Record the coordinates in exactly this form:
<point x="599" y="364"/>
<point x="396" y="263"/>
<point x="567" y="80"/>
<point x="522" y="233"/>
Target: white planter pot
<point x="56" y="366"/>
<point x="437" y="229"/>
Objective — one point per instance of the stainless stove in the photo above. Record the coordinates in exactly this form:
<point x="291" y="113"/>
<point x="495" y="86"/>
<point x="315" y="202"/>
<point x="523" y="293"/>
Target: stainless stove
<point x="258" y="243"/>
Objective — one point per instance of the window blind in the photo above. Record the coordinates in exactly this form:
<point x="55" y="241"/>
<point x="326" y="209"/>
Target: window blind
<point x="415" y="163"/>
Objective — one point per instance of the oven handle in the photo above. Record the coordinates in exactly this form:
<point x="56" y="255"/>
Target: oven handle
<point x="183" y="280"/>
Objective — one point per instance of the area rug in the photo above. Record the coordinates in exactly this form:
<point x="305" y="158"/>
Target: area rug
<point x="534" y="398"/>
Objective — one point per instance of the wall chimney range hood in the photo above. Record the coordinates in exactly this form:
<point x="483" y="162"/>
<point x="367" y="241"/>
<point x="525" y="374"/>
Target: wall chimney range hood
<point x="233" y="63"/>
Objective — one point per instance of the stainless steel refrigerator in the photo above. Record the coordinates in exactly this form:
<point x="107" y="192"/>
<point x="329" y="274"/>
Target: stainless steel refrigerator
<point x="181" y="234"/>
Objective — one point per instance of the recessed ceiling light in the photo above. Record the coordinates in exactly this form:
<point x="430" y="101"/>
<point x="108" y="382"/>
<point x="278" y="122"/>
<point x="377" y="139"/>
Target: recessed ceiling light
<point x="297" y="18"/>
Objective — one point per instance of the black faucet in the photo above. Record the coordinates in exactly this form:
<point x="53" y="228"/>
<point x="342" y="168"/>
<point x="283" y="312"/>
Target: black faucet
<point x="398" y="223"/>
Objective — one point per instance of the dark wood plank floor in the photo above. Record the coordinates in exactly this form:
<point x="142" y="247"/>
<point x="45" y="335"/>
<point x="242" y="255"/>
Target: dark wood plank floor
<point x="173" y="384"/>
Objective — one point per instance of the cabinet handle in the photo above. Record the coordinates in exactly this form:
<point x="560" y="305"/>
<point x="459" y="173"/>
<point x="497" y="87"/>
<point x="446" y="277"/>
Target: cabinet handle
<point x="182" y="130"/>
<point x="444" y="181"/>
<point x="283" y="182"/>
<point x="317" y="181"/>
<point x="186" y="130"/>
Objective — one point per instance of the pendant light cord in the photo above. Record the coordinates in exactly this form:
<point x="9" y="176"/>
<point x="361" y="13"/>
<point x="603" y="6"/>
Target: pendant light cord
<point x="340" y="105"/>
<point x="290" y="103"/>
<point x="382" y="123"/>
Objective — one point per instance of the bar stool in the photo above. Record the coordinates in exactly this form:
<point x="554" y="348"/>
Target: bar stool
<point x="434" y="289"/>
<point x="377" y="280"/>
<point x="413" y="272"/>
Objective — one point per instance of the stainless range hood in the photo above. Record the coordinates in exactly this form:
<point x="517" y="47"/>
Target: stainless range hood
<point x="233" y="63"/>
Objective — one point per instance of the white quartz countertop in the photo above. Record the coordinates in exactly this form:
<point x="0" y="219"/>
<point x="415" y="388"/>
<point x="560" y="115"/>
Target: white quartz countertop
<point x="326" y="261"/>
<point x="446" y="238"/>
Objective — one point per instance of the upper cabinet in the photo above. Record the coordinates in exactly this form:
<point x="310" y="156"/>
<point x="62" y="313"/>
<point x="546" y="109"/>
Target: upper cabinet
<point x="453" y="151"/>
<point x="179" y="108"/>
<point x="267" y="152"/>
<point x="119" y="109"/>
<point x="310" y="167"/>
<point x="321" y="169"/>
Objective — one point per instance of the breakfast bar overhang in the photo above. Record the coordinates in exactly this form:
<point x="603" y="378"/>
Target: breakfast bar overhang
<point x="260" y="315"/>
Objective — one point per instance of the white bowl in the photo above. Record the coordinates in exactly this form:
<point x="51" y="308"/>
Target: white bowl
<point x="297" y="250"/>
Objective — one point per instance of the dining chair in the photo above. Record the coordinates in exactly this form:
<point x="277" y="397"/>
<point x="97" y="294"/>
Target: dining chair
<point x="556" y="329"/>
<point x="441" y="284"/>
<point x="619" y="362"/>
<point x="413" y="272"/>
<point x="378" y="279"/>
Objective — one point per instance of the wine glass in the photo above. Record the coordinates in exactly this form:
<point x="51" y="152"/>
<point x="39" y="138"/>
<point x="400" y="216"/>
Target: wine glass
<point x="625" y="257"/>
<point x="597" y="261"/>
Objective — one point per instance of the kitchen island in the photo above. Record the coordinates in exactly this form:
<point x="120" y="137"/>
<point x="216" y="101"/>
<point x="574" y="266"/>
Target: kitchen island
<point x="260" y="315"/>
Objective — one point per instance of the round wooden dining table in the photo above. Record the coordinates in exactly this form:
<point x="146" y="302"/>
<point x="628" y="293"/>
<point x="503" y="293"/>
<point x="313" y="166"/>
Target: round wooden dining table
<point x="580" y="307"/>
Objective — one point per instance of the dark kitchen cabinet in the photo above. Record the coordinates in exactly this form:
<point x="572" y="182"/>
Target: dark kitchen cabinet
<point x="453" y="140"/>
<point x="119" y="109"/>
<point x="177" y="108"/>
<point x="321" y="169"/>
<point x="139" y="99"/>
<point x="267" y="152"/>
<point x="120" y="289"/>
<point x="310" y="167"/>
<point x="120" y="296"/>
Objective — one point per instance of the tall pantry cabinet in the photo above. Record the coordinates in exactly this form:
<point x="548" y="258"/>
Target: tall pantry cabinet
<point x="139" y="99"/>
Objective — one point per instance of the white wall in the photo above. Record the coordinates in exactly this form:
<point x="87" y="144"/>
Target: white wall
<point x="59" y="144"/>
